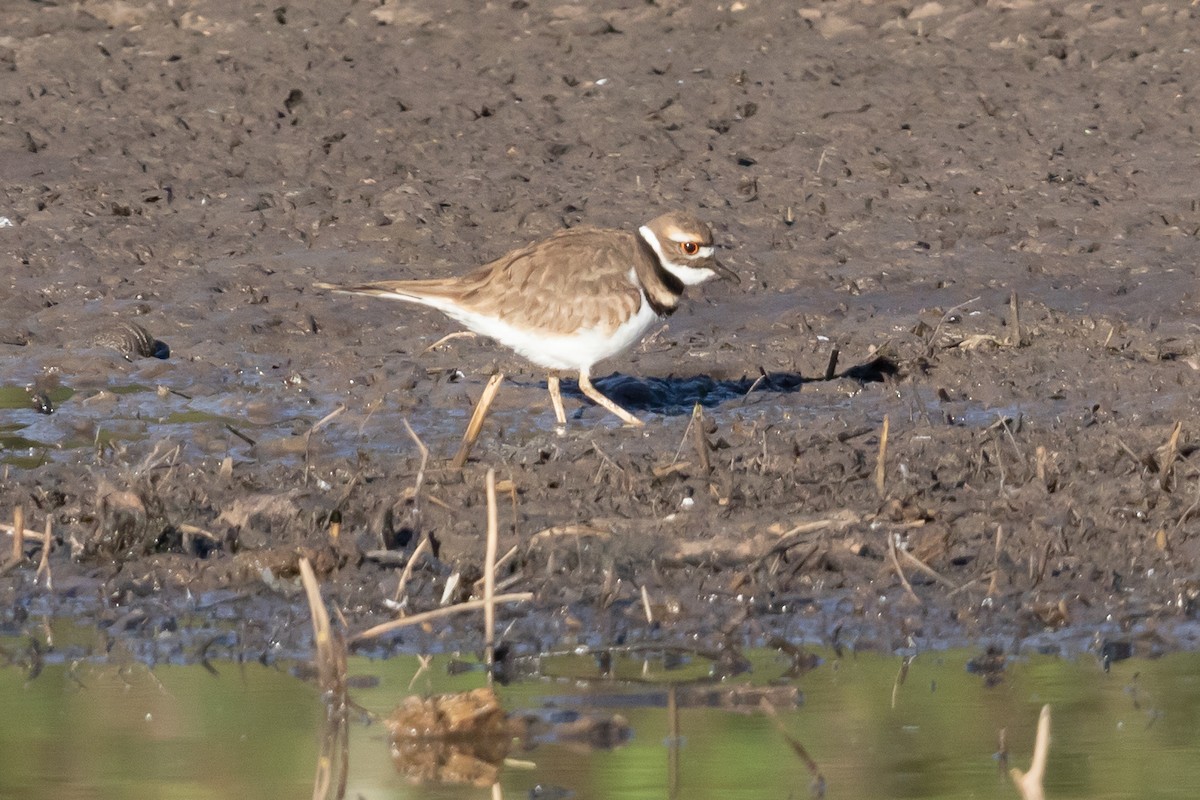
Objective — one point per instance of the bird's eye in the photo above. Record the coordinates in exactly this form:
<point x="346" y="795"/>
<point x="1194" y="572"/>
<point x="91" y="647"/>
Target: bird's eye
<point x="689" y="248"/>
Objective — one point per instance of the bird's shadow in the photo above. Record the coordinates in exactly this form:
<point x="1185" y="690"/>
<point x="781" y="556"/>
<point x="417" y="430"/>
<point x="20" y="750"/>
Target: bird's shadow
<point x="675" y="395"/>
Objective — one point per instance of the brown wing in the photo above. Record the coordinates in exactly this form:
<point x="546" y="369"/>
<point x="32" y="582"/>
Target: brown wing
<point x="575" y="279"/>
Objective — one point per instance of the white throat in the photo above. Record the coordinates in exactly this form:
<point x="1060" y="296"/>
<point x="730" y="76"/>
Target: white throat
<point x="688" y="275"/>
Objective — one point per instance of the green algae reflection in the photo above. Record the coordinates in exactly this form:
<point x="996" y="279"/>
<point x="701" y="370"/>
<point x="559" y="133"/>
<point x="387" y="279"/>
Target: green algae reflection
<point x="128" y="731"/>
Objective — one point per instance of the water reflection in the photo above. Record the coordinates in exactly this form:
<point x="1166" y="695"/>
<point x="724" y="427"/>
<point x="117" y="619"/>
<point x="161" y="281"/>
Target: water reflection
<point x="102" y="727"/>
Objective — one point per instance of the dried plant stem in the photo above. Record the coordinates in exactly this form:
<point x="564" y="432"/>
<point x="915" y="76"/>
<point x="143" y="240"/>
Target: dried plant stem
<point x="1029" y="784"/>
<point x="699" y="439"/>
<point x="991" y="592"/>
<point x="928" y="570"/>
<point x="408" y="568"/>
<point x="801" y="752"/>
<point x="489" y="575"/>
<point x="646" y="606"/>
<point x="44" y="563"/>
<point x="477" y="418"/>
<point x="1169" y="451"/>
<point x="420" y="480"/>
<point x="438" y="613"/>
<point x="1014" y="320"/>
<point x="831" y="365"/>
<point x="881" y="459"/>
<point x="900" y="572"/>
<point x="18" y="532"/>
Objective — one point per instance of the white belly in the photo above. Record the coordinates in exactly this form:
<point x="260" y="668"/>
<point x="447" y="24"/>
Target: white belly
<point x="576" y="351"/>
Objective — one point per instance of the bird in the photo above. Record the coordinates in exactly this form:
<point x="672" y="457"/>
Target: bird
<point x="573" y="299"/>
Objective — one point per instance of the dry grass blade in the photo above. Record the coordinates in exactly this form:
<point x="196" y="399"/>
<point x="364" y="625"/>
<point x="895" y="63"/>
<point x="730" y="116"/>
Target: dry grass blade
<point x="1029" y="784"/>
<point x="449" y="337"/>
<point x="881" y="459"/>
<point x="931" y="344"/>
<point x="417" y="619"/>
<point x="421" y="549"/>
<point x="1167" y="455"/>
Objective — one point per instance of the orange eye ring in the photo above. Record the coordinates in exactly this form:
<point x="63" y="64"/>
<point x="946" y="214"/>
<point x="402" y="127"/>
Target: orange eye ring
<point x="689" y="248"/>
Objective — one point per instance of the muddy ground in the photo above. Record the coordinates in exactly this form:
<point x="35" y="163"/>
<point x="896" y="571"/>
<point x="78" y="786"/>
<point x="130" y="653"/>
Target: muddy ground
<point x="884" y="176"/>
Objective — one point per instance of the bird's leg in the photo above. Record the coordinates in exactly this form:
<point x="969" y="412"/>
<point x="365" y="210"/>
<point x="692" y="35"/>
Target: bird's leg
<point x="585" y="386"/>
<point x="477" y="417"/>
<point x="556" y="399"/>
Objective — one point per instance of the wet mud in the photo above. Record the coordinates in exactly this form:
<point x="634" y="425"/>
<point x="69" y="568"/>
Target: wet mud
<point x="970" y="225"/>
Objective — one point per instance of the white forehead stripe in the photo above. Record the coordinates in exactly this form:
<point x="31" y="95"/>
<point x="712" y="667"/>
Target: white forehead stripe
<point x="687" y="274"/>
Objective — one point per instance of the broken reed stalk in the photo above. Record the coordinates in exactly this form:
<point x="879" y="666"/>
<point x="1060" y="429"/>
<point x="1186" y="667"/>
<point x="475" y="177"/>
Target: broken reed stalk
<point x="992" y="584"/>
<point x="322" y="630"/>
<point x="1014" y="320"/>
<point x="477" y="418"/>
<point x="438" y="613"/>
<point x="18" y="531"/>
<point x="881" y="459"/>
<point x="334" y="759"/>
<point x="1029" y="784"/>
<point x="699" y="439"/>
<point x="44" y="563"/>
<point x="1169" y="451"/>
<point x="646" y="606"/>
<point x="831" y="365"/>
<point x="489" y="576"/>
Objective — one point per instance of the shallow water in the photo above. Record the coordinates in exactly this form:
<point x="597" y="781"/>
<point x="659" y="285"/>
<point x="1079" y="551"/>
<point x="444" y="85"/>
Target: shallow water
<point x="107" y="729"/>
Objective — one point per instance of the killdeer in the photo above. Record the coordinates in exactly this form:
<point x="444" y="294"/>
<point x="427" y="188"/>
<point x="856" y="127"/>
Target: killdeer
<point x="574" y="299"/>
